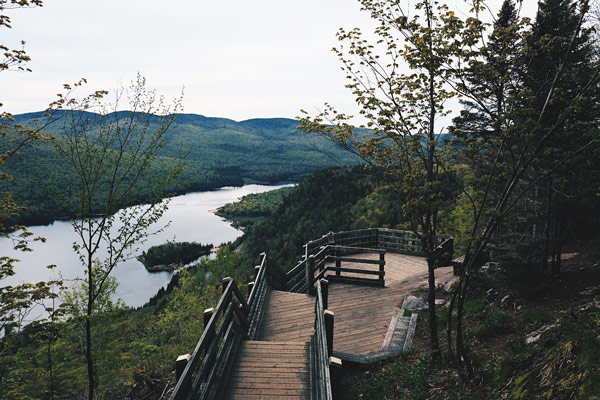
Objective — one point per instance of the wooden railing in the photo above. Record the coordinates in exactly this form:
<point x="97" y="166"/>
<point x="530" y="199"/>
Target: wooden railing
<point x="200" y="374"/>
<point x="322" y="344"/>
<point x="393" y="240"/>
<point x="258" y="291"/>
<point x="224" y="326"/>
<point x="304" y="276"/>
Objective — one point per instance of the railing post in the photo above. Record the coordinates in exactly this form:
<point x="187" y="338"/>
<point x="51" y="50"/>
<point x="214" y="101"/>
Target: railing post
<point x="325" y="292"/>
<point x="250" y="286"/>
<point x="208" y="313"/>
<point x="256" y="271"/>
<point x="338" y="262"/>
<point x="225" y="283"/>
<point x="382" y="267"/>
<point x="180" y="365"/>
<point x="329" y="316"/>
<point x="310" y="274"/>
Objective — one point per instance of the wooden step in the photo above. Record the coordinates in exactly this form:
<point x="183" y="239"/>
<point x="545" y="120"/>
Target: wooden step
<point x="270" y="370"/>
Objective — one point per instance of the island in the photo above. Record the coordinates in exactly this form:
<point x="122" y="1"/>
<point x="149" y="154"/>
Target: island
<point x="167" y="256"/>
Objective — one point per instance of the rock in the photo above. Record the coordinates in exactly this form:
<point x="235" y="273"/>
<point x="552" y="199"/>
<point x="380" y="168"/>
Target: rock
<point x="533" y="338"/>
<point x="451" y="285"/>
<point x="505" y="300"/>
<point x="440" y="302"/>
<point x="536" y="335"/>
<point x="413" y="303"/>
<point x="487" y="267"/>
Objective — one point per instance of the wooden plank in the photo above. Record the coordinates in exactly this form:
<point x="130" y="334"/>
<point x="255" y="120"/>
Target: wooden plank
<point x="359" y="281"/>
<point x="357" y="271"/>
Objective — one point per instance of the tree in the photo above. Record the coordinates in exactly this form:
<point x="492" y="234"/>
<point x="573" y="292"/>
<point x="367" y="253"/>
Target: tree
<point x="110" y="151"/>
<point x="403" y="110"/>
<point x="16" y="301"/>
<point x="557" y="28"/>
<point x="501" y="133"/>
<point x="508" y="147"/>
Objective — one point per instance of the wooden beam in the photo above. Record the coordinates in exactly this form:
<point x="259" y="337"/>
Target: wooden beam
<point x="329" y="317"/>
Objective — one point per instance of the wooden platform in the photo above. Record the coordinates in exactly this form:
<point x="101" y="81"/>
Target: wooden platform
<point x="369" y="325"/>
<point x="288" y="317"/>
<point x="369" y="321"/>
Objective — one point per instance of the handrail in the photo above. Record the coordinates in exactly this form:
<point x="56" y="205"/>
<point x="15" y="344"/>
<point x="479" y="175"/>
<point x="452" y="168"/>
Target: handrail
<point x="322" y="377"/>
<point x="258" y="297"/>
<point x="216" y="345"/>
<point x="394" y="240"/>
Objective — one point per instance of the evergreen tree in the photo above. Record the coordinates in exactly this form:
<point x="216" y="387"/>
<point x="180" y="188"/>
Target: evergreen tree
<point x="559" y="47"/>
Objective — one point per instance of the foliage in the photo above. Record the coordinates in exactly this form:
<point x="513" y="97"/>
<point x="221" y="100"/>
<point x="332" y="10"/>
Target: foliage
<point x="254" y="207"/>
<point x="340" y="198"/>
<point x="16" y="301"/>
<point x="173" y="253"/>
<point x="220" y="152"/>
<point x="135" y="349"/>
<point x="108" y="154"/>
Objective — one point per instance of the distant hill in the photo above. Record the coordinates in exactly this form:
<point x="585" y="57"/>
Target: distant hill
<point x="221" y="152"/>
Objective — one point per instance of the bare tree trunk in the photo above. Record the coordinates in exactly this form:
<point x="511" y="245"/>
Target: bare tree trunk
<point x="88" y="332"/>
<point x="433" y="331"/>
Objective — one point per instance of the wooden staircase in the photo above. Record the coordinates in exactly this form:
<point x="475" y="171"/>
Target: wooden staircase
<point x="279" y="363"/>
<point x="270" y="370"/>
<point x="282" y="344"/>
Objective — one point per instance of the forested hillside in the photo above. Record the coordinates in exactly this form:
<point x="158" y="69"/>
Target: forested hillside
<point x="337" y="198"/>
<point x="218" y="152"/>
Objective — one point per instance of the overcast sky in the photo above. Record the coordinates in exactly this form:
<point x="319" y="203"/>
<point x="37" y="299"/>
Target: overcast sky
<point x="237" y="59"/>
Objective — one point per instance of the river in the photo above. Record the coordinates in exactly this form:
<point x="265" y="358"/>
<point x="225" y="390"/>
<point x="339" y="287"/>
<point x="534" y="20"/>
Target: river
<point x="190" y="220"/>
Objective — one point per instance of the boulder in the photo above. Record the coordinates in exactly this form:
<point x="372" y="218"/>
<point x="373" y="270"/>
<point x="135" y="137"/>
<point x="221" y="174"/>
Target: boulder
<point x="451" y="285"/>
<point x="413" y="303"/>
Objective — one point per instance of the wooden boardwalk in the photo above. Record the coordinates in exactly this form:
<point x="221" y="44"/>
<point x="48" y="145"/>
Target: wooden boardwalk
<point x="369" y="324"/>
<point x="270" y="370"/>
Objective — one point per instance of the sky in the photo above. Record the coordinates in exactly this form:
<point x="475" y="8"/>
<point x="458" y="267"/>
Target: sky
<point x="236" y="59"/>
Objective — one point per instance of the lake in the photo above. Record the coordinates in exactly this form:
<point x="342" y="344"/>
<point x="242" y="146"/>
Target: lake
<point x="191" y="220"/>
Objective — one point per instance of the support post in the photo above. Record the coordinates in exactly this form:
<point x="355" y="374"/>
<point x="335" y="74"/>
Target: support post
<point x="256" y="271"/>
<point x="329" y="316"/>
<point x="180" y="364"/>
<point x="382" y="268"/>
<point x="207" y="315"/>
<point x="225" y="283"/>
<point x="250" y="286"/>
<point x="310" y="274"/>
<point x="325" y="292"/>
<point x="338" y="262"/>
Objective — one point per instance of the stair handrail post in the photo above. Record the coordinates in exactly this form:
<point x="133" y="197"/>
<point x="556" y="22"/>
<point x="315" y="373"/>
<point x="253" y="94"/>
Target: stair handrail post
<point x="338" y="262"/>
<point x="382" y="267"/>
<point x="225" y="282"/>
<point x="310" y="263"/>
<point x="329" y="318"/>
<point x="325" y="292"/>
<point x="208" y="313"/>
<point x="250" y="286"/>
